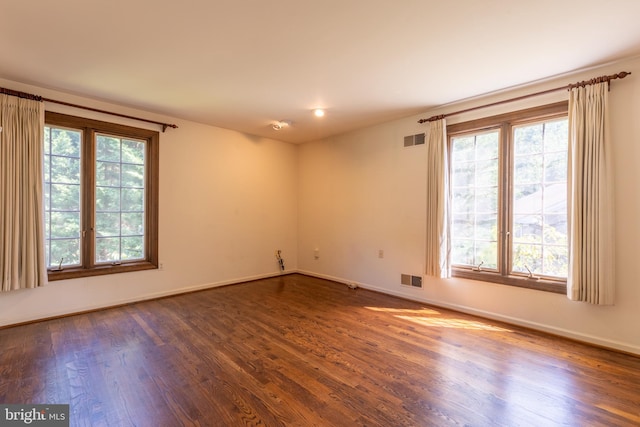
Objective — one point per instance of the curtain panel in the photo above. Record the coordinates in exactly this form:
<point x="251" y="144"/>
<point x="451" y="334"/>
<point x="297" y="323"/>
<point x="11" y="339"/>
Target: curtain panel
<point x="22" y="262"/>
<point x="590" y="194"/>
<point x="438" y="201"/>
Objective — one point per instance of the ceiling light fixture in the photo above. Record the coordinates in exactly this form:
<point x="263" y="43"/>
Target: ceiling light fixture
<point x="318" y="112"/>
<point x="281" y="124"/>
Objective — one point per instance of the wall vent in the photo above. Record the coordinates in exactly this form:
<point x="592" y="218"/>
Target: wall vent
<point x="409" y="280"/>
<point x="411" y="140"/>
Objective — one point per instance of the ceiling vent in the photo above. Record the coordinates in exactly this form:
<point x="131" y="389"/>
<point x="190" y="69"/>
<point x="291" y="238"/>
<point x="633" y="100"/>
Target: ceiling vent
<point x="411" y="140"/>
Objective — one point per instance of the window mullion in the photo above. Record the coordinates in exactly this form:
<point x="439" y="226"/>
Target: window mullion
<point x="506" y="182"/>
<point x="89" y="200"/>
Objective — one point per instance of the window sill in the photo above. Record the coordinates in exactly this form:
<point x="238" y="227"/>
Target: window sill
<point x="540" y="284"/>
<point x="101" y="270"/>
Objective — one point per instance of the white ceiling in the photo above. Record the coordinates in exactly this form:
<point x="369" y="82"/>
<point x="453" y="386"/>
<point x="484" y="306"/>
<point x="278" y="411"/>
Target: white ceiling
<point x="243" y="64"/>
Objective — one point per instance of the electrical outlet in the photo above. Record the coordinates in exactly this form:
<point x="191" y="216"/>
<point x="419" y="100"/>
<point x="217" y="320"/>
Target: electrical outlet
<point x="160" y="266"/>
<point x="380" y="253"/>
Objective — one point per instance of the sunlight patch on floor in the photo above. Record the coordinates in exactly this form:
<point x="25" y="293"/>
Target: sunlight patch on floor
<point x="429" y="317"/>
<point x="454" y="323"/>
<point x="624" y="414"/>
<point x="421" y="311"/>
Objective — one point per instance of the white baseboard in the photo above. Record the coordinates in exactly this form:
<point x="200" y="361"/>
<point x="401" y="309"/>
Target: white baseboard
<point x="139" y="298"/>
<point x="578" y="336"/>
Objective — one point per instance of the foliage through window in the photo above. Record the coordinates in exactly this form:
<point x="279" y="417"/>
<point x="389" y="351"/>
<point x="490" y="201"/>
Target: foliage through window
<point x="101" y="183"/>
<point x="509" y="198"/>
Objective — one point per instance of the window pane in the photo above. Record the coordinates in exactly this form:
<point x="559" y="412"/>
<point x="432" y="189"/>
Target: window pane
<point x="132" y="224"/>
<point x="556" y="135"/>
<point x="107" y="249"/>
<point x="120" y="197"/>
<point x="133" y="176"/>
<point x="474" y="253"/>
<point x="555" y="199"/>
<point x="65" y="224"/>
<point x="464" y="174"/>
<point x="527" y="256"/>
<point x="107" y="149"/>
<point x="65" y="250"/>
<point x="486" y="227"/>
<point x="66" y="197"/>
<point x="47" y="222"/>
<point x="486" y="173"/>
<point x="475" y="176"/>
<point x="47" y="167"/>
<point x="540" y="199"/>
<point x="65" y="227"/>
<point x="462" y="252"/>
<point x="107" y="199"/>
<point x="555" y="167"/>
<point x="487" y="200"/>
<point x="47" y="196"/>
<point x="132" y="200"/>
<point x="527" y="199"/>
<point x="464" y="148"/>
<point x="132" y="248"/>
<point x="107" y="174"/>
<point x="527" y="228"/>
<point x="487" y="146"/>
<point x="133" y="152"/>
<point x="528" y="139"/>
<point x="486" y="255"/>
<point x="463" y="226"/>
<point x="464" y="200"/>
<point x="555" y="229"/>
<point x="527" y="169"/>
<point x="64" y="170"/>
<point x="47" y="140"/>
<point x="107" y="224"/>
<point x="62" y="212"/>
<point x="64" y="142"/>
<point x="555" y="261"/>
<point x="115" y="249"/>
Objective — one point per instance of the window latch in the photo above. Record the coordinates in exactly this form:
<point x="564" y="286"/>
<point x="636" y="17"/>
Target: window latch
<point x="59" y="267"/>
<point x="478" y="267"/>
<point x="530" y="275"/>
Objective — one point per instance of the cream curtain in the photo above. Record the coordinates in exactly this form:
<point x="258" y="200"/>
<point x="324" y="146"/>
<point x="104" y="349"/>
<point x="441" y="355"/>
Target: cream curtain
<point x="437" y="232"/>
<point x="21" y="210"/>
<point x="591" y="246"/>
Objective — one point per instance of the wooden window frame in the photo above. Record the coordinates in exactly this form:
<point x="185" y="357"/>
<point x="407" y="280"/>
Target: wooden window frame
<point x="505" y="122"/>
<point x="89" y="129"/>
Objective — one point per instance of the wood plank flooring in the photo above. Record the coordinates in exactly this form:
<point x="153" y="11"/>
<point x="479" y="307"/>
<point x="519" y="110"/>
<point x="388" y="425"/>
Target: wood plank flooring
<point x="301" y="351"/>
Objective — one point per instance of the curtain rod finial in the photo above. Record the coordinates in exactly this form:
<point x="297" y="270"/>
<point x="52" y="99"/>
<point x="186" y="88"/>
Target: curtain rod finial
<point x="167" y="125"/>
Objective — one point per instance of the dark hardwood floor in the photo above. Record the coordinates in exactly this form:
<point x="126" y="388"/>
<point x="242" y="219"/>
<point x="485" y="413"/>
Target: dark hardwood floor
<point x="301" y="351"/>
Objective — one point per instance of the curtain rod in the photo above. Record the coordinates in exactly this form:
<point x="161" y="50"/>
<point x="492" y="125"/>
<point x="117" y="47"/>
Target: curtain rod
<point x="68" y="104"/>
<point x="583" y="83"/>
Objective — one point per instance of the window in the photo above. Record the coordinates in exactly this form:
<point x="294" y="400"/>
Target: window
<point x="509" y="198"/>
<point x="101" y="197"/>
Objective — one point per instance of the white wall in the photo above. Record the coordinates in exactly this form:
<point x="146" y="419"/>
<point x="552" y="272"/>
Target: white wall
<point x="363" y="192"/>
<point x="227" y="202"/>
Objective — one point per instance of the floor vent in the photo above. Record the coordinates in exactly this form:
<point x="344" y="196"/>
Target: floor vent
<point x="409" y="280"/>
<point x="412" y="140"/>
